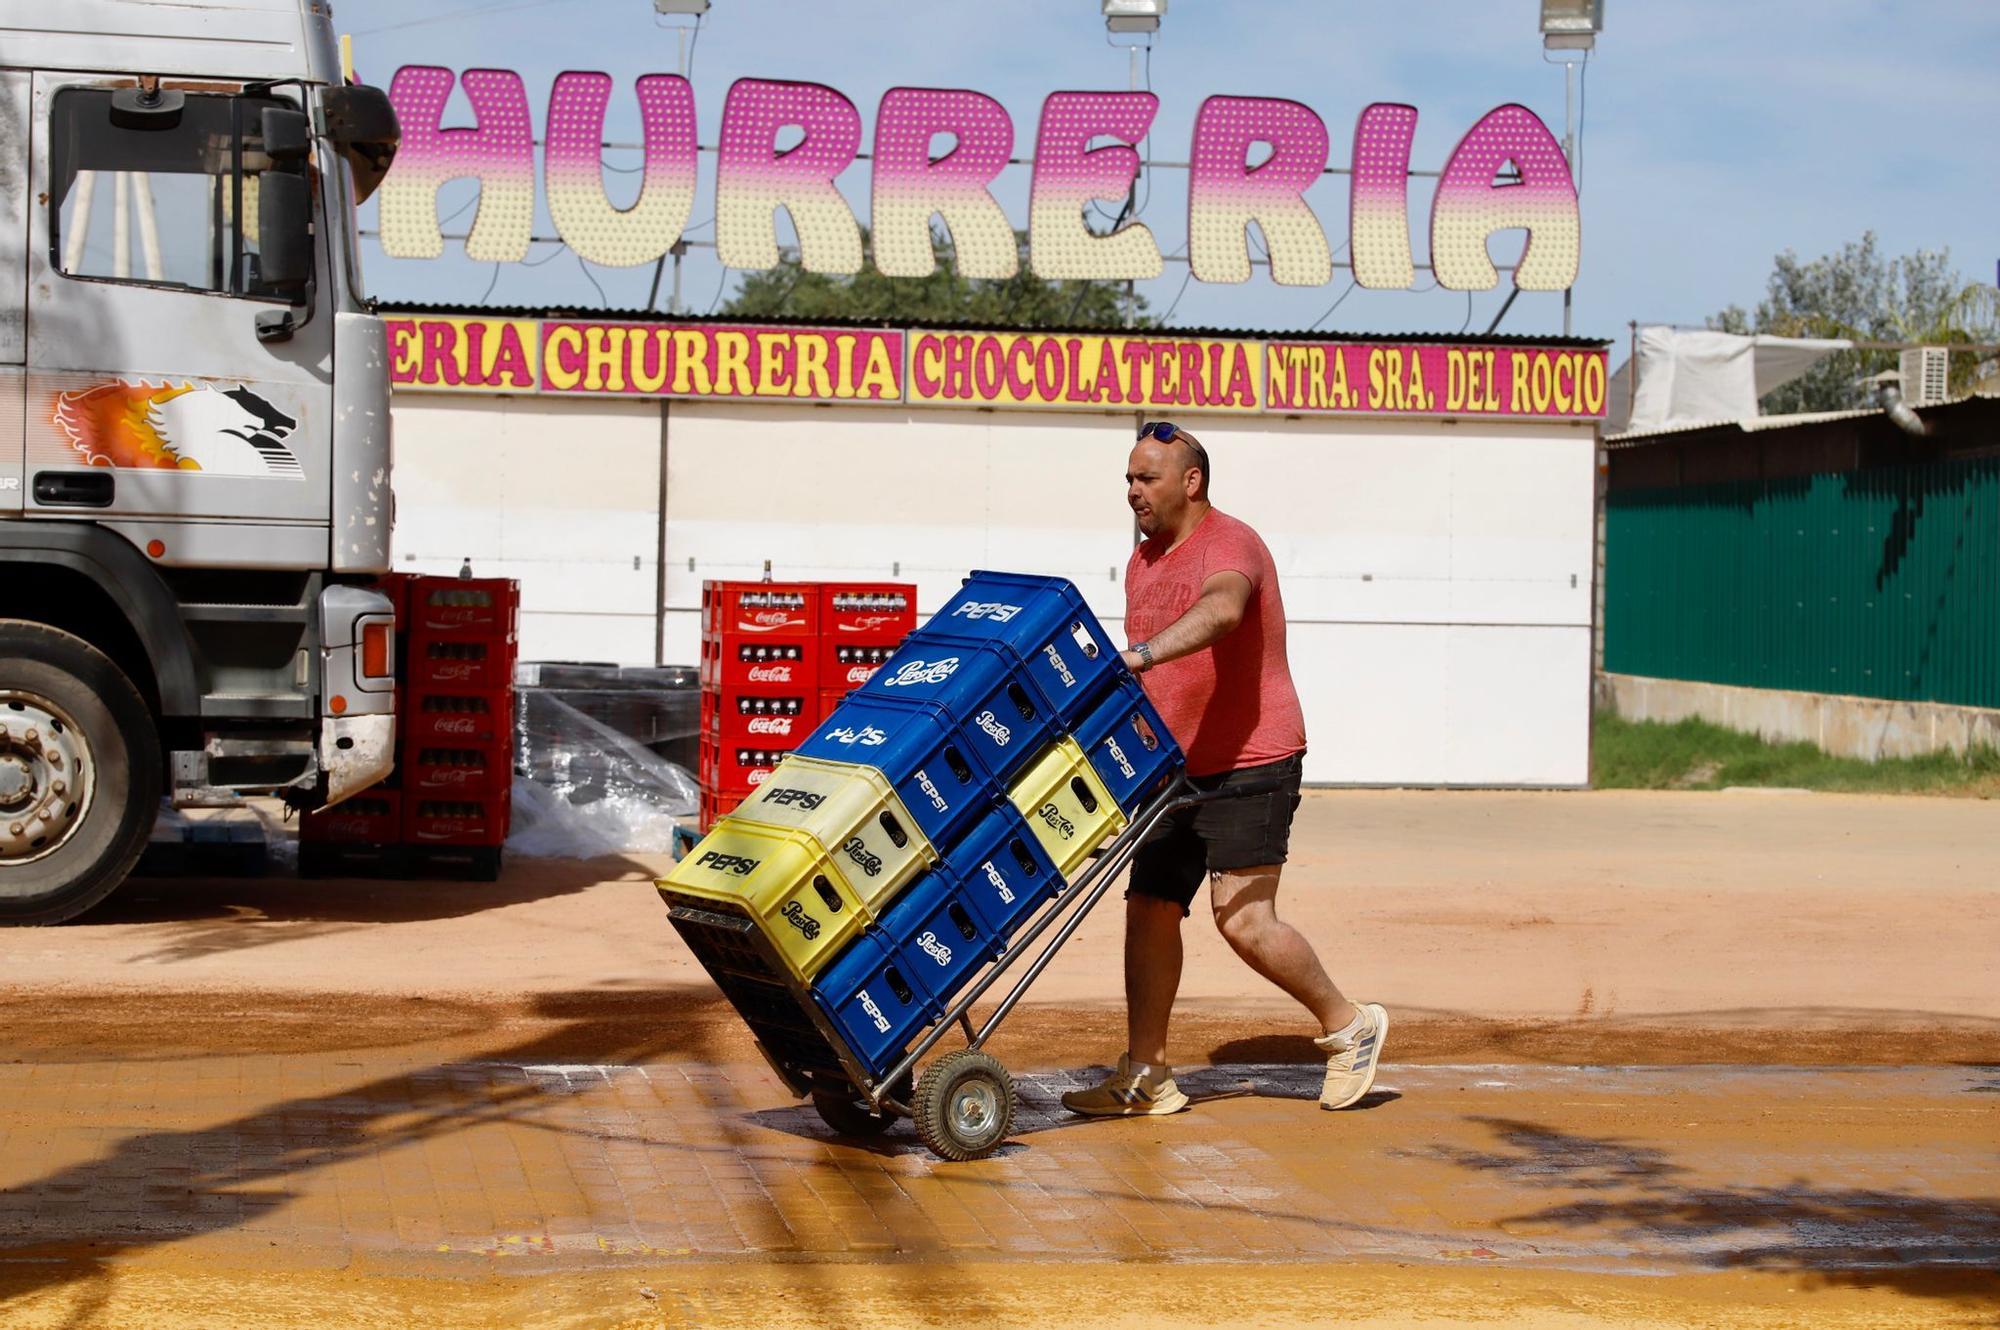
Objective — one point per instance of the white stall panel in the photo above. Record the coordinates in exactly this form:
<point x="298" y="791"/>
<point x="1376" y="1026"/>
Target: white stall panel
<point x="920" y="496"/>
<point x="562" y="496"/>
<point x="1518" y="706"/>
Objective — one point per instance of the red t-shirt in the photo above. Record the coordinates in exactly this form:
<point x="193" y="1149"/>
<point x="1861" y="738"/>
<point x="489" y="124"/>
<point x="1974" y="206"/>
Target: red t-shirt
<point x="1231" y="705"/>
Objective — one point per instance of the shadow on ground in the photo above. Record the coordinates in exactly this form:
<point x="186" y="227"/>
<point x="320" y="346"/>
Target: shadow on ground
<point x="1945" y="1248"/>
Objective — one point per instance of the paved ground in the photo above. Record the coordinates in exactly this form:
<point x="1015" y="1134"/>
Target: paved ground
<point x="273" y="1103"/>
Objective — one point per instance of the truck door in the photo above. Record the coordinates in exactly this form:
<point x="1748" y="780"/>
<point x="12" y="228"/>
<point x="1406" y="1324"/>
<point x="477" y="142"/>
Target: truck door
<point x="150" y="394"/>
<point x="14" y="89"/>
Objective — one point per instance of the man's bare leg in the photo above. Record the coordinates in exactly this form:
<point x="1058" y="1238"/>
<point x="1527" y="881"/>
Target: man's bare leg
<point x="1152" y="975"/>
<point x="1246" y="912"/>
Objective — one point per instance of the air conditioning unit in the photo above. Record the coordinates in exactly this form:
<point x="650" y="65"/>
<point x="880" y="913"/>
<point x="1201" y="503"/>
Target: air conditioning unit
<point x="1926" y="375"/>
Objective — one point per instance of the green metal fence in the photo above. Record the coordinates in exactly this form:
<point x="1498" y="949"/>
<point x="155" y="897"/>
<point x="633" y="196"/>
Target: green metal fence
<point x="1881" y="583"/>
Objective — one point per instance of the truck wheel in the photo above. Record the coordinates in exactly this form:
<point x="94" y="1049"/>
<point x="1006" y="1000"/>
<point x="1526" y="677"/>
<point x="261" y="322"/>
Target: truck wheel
<point x="79" y="774"/>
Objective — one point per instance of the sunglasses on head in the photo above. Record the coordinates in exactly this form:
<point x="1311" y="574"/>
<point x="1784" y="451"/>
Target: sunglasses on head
<point x="1163" y="430"/>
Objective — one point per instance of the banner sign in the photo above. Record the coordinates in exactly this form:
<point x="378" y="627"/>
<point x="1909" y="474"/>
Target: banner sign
<point x="709" y="361"/>
<point x="1007" y="370"/>
<point x="1081" y="370"/>
<point x="1507" y="173"/>
<point x="1378" y="378"/>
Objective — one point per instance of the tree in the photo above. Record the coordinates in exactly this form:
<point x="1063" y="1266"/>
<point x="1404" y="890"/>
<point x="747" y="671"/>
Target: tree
<point x="1021" y="301"/>
<point x="1856" y="293"/>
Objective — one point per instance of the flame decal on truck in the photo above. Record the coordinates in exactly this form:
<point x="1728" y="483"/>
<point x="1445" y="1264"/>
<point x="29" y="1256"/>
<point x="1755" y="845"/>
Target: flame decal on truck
<point x="189" y="427"/>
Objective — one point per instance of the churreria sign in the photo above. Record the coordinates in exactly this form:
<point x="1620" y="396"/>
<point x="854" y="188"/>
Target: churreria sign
<point x="1507" y="172"/>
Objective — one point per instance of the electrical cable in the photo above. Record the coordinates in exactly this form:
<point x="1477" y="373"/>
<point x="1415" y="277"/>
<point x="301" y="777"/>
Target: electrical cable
<point x="490" y="285"/>
<point x="1334" y="306"/>
<point x="602" y="299"/>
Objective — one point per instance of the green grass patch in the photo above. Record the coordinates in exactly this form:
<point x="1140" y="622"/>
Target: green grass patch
<point x="1695" y="755"/>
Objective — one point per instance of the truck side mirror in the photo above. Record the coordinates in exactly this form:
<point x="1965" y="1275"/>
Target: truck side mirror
<point x="284" y="250"/>
<point x="287" y="137"/>
<point x="362" y="124"/>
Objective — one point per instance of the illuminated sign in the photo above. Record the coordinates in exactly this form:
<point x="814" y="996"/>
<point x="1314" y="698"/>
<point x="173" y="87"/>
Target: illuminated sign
<point x="1154" y="373"/>
<point x="1506" y="173"/>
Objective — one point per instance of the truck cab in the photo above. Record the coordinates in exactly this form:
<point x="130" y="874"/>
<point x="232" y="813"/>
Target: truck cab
<point x="194" y="429"/>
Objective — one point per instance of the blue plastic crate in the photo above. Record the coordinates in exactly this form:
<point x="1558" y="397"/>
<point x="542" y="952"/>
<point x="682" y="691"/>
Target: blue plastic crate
<point x="921" y="752"/>
<point x="1003" y="873"/>
<point x="936" y="938"/>
<point x="1043" y="622"/>
<point x="1128" y="744"/>
<point x="873" y="1002"/>
<point x="983" y="686"/>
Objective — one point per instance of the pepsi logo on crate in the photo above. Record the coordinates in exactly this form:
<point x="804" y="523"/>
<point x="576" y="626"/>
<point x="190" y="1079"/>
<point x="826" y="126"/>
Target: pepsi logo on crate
<point x="919" y="750"/>
<point x="1041" y="621"/>
<point x="1128" y="744"/>
<point x="872" y="1002"/>
<point x="1002" y="872"/>
<point x="853" y="813"/>
<point x="938" y="941"/>
<point x="999" y="716"/>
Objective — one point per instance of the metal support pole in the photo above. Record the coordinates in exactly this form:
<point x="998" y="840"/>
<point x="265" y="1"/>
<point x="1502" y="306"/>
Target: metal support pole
<point x="79" y="221"/>
<point x="1569" y="151"/>
<point x="121" y="225"/>
<point x="149" y="226"/>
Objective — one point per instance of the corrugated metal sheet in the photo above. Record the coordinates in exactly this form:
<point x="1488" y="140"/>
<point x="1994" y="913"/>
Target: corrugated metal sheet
<point x="1880" y="583"/>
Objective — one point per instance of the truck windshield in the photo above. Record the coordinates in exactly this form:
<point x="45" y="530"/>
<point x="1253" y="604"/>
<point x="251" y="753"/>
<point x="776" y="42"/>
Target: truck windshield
<point x="173" y="203"/>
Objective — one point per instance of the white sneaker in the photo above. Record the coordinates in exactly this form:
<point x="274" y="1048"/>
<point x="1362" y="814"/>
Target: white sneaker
<point x="1350" y="1066"/>
<point x="1126" y="1093"/>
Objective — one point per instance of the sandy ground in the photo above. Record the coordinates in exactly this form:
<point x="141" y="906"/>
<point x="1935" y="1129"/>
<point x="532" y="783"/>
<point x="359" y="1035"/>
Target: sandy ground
<point x="1544" y="931"/>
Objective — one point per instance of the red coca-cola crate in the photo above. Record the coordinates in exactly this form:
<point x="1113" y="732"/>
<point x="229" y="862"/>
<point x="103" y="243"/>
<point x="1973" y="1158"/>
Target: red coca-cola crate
<point x="443" y="771"/>
<point x="373" y="817"/>
<point x="456" y="821"/>
<point x="830" y="699"/>
<point x="867" y="611"/>
<point x="396" y="586"/>
<point x="777" y="610"/>
<point x="846" y="665"/>
<point x="464" y="607"/>
<point x="741" y="661"/>
<point x="760" y="721"/>
<point x="715" y="807"/>
<point x="432" y="717"/>
<point x="460" y="664"/>
<point x="736" y="768"/>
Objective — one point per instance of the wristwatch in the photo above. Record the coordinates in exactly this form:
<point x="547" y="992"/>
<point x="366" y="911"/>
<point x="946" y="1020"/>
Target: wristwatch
<point x="1144" y="651"/>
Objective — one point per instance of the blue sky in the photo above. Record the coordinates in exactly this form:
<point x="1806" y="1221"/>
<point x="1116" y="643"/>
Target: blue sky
<point x="1714" y="134"/>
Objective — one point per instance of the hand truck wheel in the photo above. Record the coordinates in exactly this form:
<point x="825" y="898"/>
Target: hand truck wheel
<point x="964" y="1105"/>
<point x="842" y="1109"/>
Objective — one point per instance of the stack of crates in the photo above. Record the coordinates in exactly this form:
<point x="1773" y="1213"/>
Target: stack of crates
<point x="924" y="823"/>
<point x="775" y="658"/>
<point x="447" y="804"/>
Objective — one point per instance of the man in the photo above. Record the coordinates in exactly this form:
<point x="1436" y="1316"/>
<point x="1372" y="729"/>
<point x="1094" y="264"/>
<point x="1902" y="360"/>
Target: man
<point x="1207" y="628"/>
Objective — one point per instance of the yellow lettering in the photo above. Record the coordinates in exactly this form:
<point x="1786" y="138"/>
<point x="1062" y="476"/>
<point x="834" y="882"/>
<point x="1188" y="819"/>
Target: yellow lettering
<point x="1492" y="381"/>
<point x="559" y="352"/>
<point x="642" y="379"/>
<point x="1456" y="375"/>
<point x="604" y="351"/>
<point x="732" y="364"/>
<point x="1375" y="390"/>
<point x="691" y="363"/>
<point x="1593" y="385"/>
<point x="843" y="361"/>
<point x="1564" y="400"/>
<point x="1540" y="384"/>
<point x="1342" y="394"/>
<point x="812" y="379"/>
<point x="1517" y="396"/>
<point x="772" y="381"/>
<point x="1419" y="398"/>
<point x="880" y="374"/>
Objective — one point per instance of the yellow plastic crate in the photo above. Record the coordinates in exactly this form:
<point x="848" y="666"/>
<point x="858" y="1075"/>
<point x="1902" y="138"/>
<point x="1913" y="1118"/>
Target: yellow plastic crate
<point x="1066" y="804"/>
<point x="854" y="814"/>
<point x="783" y="880"/>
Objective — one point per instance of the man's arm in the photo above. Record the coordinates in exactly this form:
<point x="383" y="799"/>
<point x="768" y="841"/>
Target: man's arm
<point x="1225" y="597"/>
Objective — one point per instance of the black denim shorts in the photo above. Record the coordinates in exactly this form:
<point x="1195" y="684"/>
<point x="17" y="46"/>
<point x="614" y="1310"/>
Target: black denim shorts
<point x="1218" y="837"/>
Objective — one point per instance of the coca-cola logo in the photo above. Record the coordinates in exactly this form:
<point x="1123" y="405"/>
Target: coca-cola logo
<point x="759" y="777"/>
<point x="771" y="724"/>
<point x="867" y="622"/>
<point x="763" y="621"/>
<point x="454" y="673"/>
<point x="770" y="674"/>
<point x="456" y="725"/>
<point x="451" y="777"/>
<point x="861" y="673"/>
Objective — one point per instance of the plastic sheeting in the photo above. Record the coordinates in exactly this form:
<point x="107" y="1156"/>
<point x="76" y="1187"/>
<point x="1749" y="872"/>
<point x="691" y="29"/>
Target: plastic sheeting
<point x="583" y="789"/>
<point x="1695" y="376"/>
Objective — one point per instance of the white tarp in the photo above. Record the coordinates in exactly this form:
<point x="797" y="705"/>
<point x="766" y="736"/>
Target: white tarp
<point x="1694" y="376"/>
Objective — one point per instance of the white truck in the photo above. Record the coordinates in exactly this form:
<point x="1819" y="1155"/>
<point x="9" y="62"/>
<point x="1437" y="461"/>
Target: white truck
<point x="194" y="429"/>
